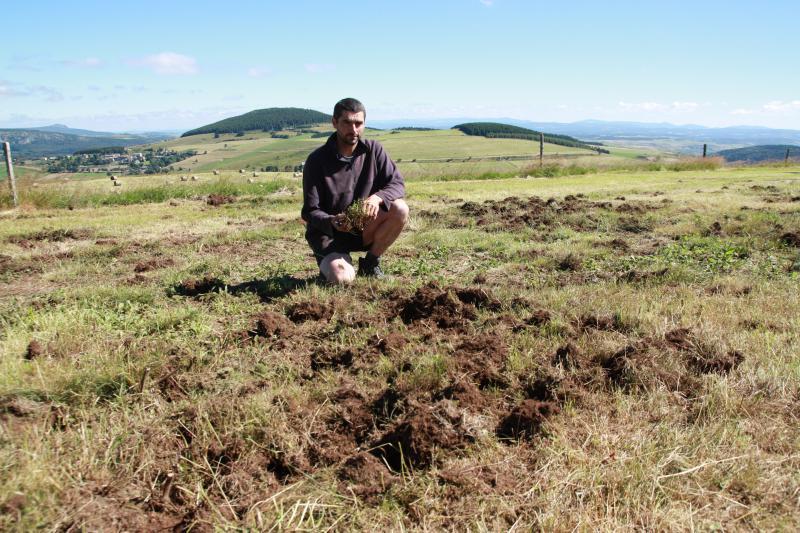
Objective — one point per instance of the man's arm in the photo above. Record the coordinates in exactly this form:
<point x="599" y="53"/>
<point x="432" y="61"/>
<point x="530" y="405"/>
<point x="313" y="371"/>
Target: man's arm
<point x="316" y="217"/>
<point x="388" y="180"/>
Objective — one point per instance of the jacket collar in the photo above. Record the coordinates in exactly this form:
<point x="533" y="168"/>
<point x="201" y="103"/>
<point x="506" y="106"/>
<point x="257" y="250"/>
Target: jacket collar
<point x="361" y="148"/>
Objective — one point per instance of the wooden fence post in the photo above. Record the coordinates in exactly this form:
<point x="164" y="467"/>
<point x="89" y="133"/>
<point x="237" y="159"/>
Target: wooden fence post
<point x="786" y="158"/>
<point x="541" y="149"/>
<point x="12" y="184"/>
<point x="705" y="148"/>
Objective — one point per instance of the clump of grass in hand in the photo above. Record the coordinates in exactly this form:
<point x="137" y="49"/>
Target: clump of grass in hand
<point x="356" y="216"/>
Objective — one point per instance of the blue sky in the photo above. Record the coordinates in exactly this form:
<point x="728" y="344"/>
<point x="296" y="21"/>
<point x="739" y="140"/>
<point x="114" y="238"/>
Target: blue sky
<point x="125" y="66"/>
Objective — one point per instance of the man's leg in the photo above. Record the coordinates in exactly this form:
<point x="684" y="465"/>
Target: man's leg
<point x="337" y="268"/>
<point x="384" y="230"/>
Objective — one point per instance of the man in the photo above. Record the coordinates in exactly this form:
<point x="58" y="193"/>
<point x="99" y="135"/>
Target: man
<point x="346" y="168"/>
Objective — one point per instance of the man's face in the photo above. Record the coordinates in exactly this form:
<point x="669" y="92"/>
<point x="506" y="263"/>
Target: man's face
<point x="349" y="127"/>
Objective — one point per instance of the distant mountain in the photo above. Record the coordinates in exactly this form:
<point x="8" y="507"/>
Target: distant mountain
<point x="38" y="142"/>
<point x="691" y="135"/>
<point x="768" y="152"/>
<point x="61" y="128"/>
<point x="270" y="119"/>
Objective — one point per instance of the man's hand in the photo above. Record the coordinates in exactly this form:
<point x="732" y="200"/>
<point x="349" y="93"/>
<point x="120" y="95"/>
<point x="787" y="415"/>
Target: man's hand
<point x="372" y="205"/>
<point x="340" y="223"/>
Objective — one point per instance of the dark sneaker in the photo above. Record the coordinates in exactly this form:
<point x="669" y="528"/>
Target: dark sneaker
<point x="370" y="269"/>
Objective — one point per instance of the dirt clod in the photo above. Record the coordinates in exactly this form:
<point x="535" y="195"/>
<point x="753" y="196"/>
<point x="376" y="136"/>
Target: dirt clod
<point x="421" y="434"/>
<point x="791" y="239"/>
<point x="440" y="305"/>
<point x="196" y="287"/>
<point x="219" y="199"/>
<point x="526" y="419"/>
<point x="153" y="264"/>
<point x="310" y="310"/>
<point x="35" y="349"/>
<point x="271" y="324"/>
<point x="365" y="476"/>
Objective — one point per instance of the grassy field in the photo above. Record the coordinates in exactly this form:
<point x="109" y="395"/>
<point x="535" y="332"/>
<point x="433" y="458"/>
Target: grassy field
<point x="432" y="149"/>
<point x="614" y="350"/>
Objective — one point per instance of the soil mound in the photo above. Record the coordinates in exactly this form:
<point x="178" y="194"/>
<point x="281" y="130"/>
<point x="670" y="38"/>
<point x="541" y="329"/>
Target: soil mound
<point x="515" y="213"/>
<point x="526" y="419"/>
<point x="35" y="349"/>
<point x="415" y="440"/>
<point x="365" y="476"/>
<point x="26" y="240"/>
<point x="271" y="324"/>
<point x="153" y="264"/>
<point x="304" y="311"/>
<point x="327" y="358"/>
<point x="791" y="239"/>
<point x="482" y="358"/>
<point x="715" y="362"/>
<point x="196" y="287"/>
<point x="391" y="343"/>
<point x="440" y="305"/>
<point x="219" y="199"/>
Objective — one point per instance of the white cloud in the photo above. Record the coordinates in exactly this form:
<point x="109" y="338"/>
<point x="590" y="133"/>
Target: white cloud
<point x="10" y="89"/>
<point x="779" y="105"/>
<point x="259" y="72"/>
<point x="684" y="106"/>
<point x="168" y="63"/>
<point x="488" y="3"/>
<point x="318" y="68"/>
<point x="742" y="111"/>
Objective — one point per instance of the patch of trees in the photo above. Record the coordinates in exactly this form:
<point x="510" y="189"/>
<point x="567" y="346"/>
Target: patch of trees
<point x="413" y="128"/>
<point x="507" y="131"/>
<point x="102" y="150"/>
<point x="271" y="119"/>
<point x="764" y="152"/>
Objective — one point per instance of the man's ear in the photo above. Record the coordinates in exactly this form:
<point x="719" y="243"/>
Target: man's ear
<point x="333" y="121"/>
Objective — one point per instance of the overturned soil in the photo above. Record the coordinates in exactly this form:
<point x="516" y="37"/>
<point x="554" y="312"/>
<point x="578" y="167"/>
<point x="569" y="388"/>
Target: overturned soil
<point x="309" y="310"/>
<point x="526" y="419"/>
<point x="219" y="199"/>
<point x="199" y="286"/>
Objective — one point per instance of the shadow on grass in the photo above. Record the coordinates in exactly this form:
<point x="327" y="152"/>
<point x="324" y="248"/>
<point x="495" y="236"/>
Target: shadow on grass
<point x="267" y="289"/>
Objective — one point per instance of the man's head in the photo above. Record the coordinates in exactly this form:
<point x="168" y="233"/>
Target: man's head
<point x="349" y="118"/>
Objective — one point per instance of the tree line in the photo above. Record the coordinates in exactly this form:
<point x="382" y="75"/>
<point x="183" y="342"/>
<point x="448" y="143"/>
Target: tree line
<point x="507" y="131"/>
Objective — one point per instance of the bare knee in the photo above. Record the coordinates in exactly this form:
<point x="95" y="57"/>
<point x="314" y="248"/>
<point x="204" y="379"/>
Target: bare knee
<point x="337" y="269"/>
<point x="399" y="210"/>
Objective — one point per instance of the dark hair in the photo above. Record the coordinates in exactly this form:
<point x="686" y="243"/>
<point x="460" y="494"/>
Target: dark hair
<point x="350" y="105"/>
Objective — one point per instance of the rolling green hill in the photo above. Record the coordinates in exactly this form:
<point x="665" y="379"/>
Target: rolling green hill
<point x="416" y="152"/>
<point x="764" y="152"/>
<point x="270" y="119"/>
<point x="506" y="131"/>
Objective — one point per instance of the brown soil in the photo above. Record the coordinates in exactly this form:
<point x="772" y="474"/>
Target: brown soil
<point x="332" y="358"/>
<point x="14" y="505"/>
<point x="601" y="323"/>
<point x="365" y="476"/>
<point x="467" y="394"/>
<point x="516" y="213"/>
<point x="716" y="362"/>
<point x="310" y="310"/>
<point x="51" y="235"/>
<point x="219" y="199"/>
<point x="568" y="356"/>
<point x="481" y="358"/>
<point x="35" y="349"/>
<point x="153" y="264"/>
<point x="791" y="239"/>
<point x="570" y="262"/>
<point x="391" y="343"/>
<point x="419" y="437"/>
<point x="270" y="324"/>
<point x="196" y="287"/>
<point x="526" y="419"/>
<point x="439" y="305"/>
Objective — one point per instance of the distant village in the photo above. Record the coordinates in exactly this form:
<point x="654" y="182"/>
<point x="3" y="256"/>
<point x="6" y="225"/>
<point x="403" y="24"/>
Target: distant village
<point x="119" y="161"/>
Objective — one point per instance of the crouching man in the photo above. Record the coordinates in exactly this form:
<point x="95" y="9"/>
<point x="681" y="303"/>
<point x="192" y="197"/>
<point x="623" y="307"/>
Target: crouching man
<point x="344" y="169"/>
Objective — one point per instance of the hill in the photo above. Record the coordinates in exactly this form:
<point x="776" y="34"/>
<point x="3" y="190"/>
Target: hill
<point x="270" y="119"/>
<point x="766" y="152"/>
<point x="506" y="131"/>
<point x="37" y="142"/>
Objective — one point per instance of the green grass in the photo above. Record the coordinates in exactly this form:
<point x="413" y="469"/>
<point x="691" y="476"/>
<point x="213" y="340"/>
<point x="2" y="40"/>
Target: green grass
<point x="150" y="409"/>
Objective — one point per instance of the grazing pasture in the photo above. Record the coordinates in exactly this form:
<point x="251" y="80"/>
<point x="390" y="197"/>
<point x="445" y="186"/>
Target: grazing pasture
<point x="617" y="349"/>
